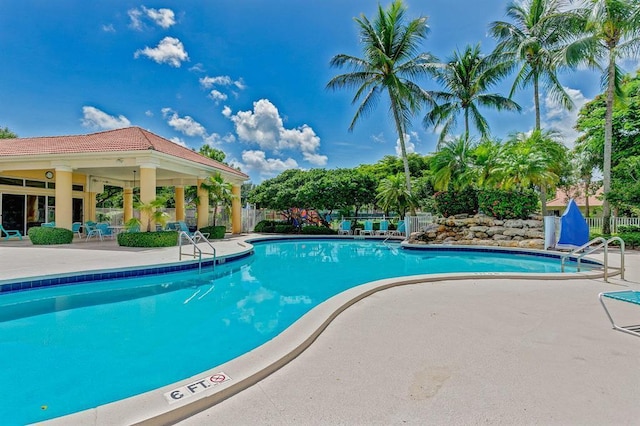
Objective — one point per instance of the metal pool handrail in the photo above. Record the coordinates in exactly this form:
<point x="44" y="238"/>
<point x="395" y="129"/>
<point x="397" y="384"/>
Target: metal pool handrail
<point x="194" y="239"/>
<point x="589" y="245"/>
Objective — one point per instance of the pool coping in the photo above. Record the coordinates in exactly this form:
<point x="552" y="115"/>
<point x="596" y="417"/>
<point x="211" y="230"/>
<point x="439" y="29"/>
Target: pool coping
<point x="153" y="408"/>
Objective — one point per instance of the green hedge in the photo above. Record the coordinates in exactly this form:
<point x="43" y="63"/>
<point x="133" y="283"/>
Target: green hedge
<point x="631" y="239"/>
<point x="628" y="228"/>
<point x="451" y="203"/>
<point x="148" y="239"/>
<point x="507" y="204"/>
<point x="318" y="230"/>
<point x="268" y="226"/>
<point x="49" y="236"/>
<point x="283" y="227"/>
<point x="215" y="232"/>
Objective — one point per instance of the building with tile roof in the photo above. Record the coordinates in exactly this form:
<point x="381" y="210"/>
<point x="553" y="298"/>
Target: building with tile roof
<point x="559" y="203"/>
<point x="58" y="177"/>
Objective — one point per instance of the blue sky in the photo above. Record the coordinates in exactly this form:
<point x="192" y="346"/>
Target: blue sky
<point x="246" y="76"/>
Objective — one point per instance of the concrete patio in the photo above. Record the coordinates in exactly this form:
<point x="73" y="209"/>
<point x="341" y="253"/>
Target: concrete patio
<point x="470" y="351"/>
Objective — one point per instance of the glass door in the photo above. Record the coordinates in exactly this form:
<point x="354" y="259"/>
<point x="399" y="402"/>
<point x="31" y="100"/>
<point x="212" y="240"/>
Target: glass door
<point x="13" y="209"/>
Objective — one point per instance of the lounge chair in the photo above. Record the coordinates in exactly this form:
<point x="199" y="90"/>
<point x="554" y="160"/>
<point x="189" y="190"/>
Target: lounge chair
<point x="345" y="228"/>
<point x="629" y="296"/>
<point x="368" y="228"/>
<point x="384" y="227"/>
<point x="10" y="233"/>
<point x="48" y="225"/>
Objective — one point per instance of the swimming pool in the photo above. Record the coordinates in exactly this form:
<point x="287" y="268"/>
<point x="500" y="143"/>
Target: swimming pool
<point x="70" y="348"/>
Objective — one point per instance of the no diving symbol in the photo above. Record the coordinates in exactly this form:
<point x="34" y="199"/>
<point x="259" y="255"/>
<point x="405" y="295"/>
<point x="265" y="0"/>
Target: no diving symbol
<point x="218" y="378"/>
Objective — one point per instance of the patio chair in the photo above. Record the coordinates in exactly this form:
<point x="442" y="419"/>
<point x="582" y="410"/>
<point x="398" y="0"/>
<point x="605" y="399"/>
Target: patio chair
<point x="10" y="233"/>
<point x="48" y="225"/>
<point x="76" y="228"/>
<point x="92" y="230"/>
<point x="401" y="229"/>
<point x="384" y="227"/>
<point x="368" y="228"/>
<point x="182" y="226"/>
<point x="105" y="230"/>
<point x="345" y="228"/>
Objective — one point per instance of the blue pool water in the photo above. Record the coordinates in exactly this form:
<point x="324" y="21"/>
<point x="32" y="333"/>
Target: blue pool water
<point x="74" y="347"/>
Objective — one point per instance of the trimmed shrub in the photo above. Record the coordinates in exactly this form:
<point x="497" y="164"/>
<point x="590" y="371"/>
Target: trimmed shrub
<point x="215" y="232"/>
<point x="451" y="203"/>
<point x="318" y="230"/>
<point x="631" y="239"/>
<point x="268" y="226"/>
<point x="148" y="239"/>
<point x="50" y="236"/>
<point x="507" y="204"/>
<point x="285" y="229"/>
<point x="628" y="228"/>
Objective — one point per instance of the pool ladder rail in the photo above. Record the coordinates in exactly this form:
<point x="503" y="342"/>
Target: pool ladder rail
<point x="590" y="247"/>
<point x="193" y="240"/>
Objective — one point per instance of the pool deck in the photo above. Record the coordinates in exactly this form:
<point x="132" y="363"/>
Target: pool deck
<point x="458" y="351"/>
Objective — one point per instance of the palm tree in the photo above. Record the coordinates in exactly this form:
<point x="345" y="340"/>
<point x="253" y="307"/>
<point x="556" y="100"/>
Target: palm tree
<point x="534" y="42"/>
<point x="219" y="193"/>
<point x="393" y="195"/>
<point x="466" y="78"/>
<point x="390" y="65"/>
<point x="612" y="32"/>
<point x="151" y="212"/>
<point x="537" y="160"/>
<point x="451" y="166"/>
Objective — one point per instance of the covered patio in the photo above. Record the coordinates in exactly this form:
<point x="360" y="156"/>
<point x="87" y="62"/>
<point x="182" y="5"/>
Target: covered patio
<point x="59" y="177"/>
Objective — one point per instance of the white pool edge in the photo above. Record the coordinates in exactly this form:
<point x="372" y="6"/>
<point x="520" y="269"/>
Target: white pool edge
<point x="152" y="408"/>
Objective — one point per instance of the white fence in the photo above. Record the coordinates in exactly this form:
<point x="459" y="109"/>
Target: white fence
<point x="595" y="223"/>
<point x="417" y="223"/>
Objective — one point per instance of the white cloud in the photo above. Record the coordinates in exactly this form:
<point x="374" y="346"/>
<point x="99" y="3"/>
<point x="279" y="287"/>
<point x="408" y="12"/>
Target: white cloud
<point x="221" y="81"/>
<point x="216" y="139"/>
<point x="217" y="96"/>
<point x="264" y="127"/>
<point x="409" y="146"/>
<point x="558" y="118"/>
<point x="185" y="125"/>
<point x="379" y="138"/>
<point x="162" y="17"/>
<point x="315" y="159"/>
<point x="226" y="111"/>
<point x="108" y="28"/>
<point x="148" y="113"/>
<point x="197" y="68"/>
<point x="94" y="118"/>
<point x="170" y="50"/>
<point x="135" y="15"/>
<point x="208" y="82"/>
<point x="258" y="161"/>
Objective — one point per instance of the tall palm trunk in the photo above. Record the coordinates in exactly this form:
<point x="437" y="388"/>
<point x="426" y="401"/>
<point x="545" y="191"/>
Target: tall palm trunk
<point x="608" y="137"/>
<point x="536" y="101"/>
<point x="403" y="149"/>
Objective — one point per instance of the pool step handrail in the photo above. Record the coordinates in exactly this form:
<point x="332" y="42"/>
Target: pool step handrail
<point x="194" y="239"/>
<point x="590" y="247"/>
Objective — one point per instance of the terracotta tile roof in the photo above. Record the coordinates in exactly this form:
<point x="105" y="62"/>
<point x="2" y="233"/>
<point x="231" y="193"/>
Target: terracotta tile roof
<point x="562" y="198"/>
<point x="127" y="139"/>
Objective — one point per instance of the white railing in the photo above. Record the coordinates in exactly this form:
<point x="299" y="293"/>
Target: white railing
<point x="417" y="223"/>
<point x="595" y="223"/>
